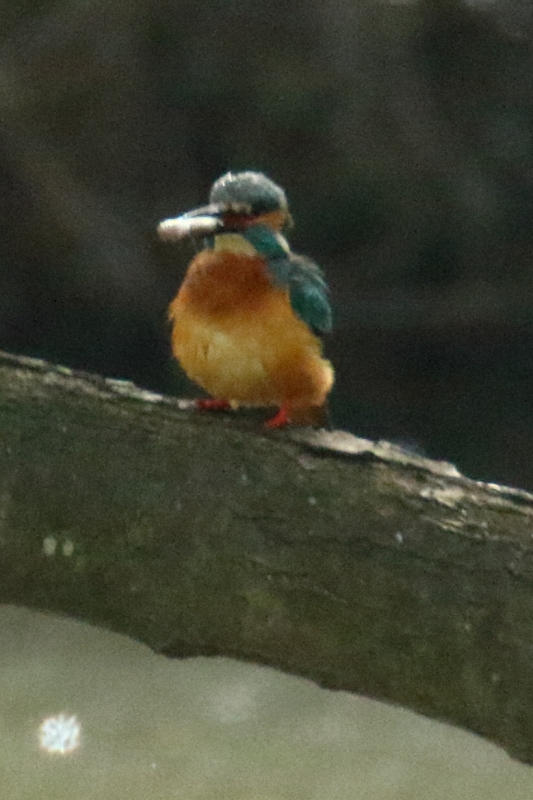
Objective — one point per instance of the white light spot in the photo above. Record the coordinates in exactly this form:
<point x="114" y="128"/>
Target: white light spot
<point x="399" y="537"/>
<point x="49" y="545"/>
<point x="67" y="548"/>
<point x="312" y="501"/>
<point x="59" y="734"/>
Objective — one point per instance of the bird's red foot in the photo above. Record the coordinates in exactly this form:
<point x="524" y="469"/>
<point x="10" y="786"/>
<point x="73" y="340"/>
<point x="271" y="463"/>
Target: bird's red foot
<point x="279" y="420"/>
<point x="212" y="404"/>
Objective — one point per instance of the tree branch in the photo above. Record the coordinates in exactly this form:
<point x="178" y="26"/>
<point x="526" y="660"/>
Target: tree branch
<point x="359" y="565"/>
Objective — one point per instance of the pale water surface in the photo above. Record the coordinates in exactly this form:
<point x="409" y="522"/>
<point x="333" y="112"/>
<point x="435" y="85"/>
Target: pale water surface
<point x="158" y="729"/>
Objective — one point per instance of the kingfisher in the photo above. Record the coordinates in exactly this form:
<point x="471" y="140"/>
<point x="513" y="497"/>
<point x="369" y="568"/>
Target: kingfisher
<point x="247" y="320"/>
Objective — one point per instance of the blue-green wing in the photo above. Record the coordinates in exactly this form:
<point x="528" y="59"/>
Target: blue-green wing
<point x="307" y="289"/>
<point x="304" y="279"/>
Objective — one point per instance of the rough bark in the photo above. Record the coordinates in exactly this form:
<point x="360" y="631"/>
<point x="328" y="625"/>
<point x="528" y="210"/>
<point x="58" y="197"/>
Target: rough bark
<point x="357" y="564"/>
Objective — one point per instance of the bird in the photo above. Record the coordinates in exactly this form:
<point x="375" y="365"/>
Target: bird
<point x="248" y="317"/>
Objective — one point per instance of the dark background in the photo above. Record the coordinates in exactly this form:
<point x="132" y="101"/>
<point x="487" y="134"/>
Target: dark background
<point x="403" y="135"/>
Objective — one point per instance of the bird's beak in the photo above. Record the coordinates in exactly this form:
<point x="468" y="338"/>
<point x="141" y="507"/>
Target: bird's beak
<point x="199" y="222"/>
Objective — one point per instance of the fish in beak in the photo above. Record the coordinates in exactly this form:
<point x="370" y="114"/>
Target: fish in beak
<point x="205" y="221"/>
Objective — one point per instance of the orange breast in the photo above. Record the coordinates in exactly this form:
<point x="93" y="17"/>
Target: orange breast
<point x="236" y="335"/>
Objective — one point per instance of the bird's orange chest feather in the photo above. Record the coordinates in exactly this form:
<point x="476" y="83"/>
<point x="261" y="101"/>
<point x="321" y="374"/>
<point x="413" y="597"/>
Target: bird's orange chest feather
<point x="237" y="336"/>
<point x="218" y="283"/>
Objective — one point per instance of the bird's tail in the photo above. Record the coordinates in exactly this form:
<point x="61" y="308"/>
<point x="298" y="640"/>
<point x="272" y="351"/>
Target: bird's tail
<point x="315" y="416"/>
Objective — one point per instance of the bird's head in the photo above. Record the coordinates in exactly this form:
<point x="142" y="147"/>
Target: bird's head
<point x="237" y="201"/>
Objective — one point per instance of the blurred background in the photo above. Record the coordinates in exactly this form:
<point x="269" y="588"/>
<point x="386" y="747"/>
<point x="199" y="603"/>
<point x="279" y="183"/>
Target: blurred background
<point x="154" y="728"/>
<point x="402" y="132"/>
